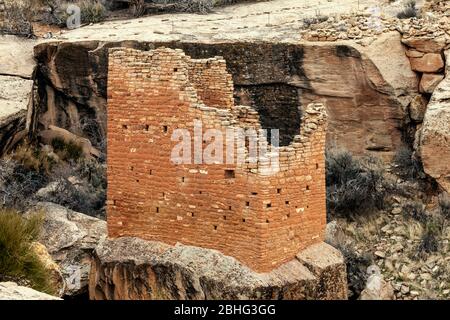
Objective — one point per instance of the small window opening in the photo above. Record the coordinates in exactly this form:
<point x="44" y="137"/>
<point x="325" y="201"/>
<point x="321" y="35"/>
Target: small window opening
<point x="230" y="174"/>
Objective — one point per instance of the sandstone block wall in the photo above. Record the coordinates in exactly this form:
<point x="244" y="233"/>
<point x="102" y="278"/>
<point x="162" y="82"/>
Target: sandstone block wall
<point x="262" y="220"/>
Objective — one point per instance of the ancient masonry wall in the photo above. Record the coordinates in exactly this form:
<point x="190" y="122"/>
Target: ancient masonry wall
<point x="262" y="220"/>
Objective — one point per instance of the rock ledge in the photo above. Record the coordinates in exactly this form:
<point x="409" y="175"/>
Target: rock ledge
<point x="131" y="268"/>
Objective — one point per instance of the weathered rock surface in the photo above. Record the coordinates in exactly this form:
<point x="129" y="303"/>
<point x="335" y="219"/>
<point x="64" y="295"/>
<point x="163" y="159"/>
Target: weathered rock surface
<point x="70" y="238"/>
<point x="16" y="56"/>
<point x="12" y="291"/>
<point x="429" y="82"/>
<point x="430" y="62"/>
<point x="55" y="132"/>
<point x="427" y="44"/>
<point x="395" y="71"/>
<point x="417" y="108"/>
<point x="434" y="142"/>
<point x="367" y="100"/>
<point x="15" y="94"/>
<point x="16" y="69"/>
<point x="51" y="266"/>
<point x="131" y="268"/>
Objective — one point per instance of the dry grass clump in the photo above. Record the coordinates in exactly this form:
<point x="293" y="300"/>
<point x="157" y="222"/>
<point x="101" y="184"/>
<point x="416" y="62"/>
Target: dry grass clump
<point x="18" y="262"/>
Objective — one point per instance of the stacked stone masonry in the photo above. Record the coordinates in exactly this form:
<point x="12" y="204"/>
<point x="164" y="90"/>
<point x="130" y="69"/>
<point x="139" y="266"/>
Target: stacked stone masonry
<point x="261" y="219"/>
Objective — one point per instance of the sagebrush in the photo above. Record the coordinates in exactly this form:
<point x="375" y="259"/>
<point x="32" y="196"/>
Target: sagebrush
<point x="354" y="185"/>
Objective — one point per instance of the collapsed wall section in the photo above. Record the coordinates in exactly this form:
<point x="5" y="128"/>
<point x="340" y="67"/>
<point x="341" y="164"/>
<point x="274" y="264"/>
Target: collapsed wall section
<point x="261" y="217"/>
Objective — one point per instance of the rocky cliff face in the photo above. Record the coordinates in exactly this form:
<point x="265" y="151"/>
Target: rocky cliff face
<point x="16" y="88"/>
<point x="131" y="268"/>
<point x="434" y="140"/>
<point x="367" y="101"/>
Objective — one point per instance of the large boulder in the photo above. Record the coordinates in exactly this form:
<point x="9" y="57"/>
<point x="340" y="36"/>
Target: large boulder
<point x="70" y="238"/>
<point x="16" y="70"/>
<point x="430" y="62"/>
<point x="131" y="268"/>
<point x="434" y="140"/>
<point x="12" y="291"/>
<point x="16" y="56"/>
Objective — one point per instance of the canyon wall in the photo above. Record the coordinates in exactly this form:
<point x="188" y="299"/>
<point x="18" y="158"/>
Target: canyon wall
<point x="367" y="106"/>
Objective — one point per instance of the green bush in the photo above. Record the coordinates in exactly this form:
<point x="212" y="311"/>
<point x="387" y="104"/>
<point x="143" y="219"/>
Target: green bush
<point x="354" y="186"/>
<point x="17" y="261"/>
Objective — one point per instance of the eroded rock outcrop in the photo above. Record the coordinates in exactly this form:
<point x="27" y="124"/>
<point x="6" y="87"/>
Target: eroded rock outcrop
<point x="16" y="86"/>
<point x="70" y="238"/>
<point x="12" y="291"/>
<point x="434" y="141"/>
<point x="131" y="268"/>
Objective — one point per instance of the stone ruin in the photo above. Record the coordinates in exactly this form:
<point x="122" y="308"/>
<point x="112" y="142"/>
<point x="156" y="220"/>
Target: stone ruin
<point x="263" y="220"/>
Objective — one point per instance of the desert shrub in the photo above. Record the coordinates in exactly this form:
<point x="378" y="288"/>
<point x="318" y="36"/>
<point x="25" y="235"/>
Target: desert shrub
<point x="94" y="172"/>
<point x="308" y="21"/>
<point x="66" y="150"/>
<point x="92" y="11"/>
<point x="409" y="10"/>
<point x="444" y="205"/>
<point x="357" y="265"/>
<point x="80" y="184"/>
<point x="416" y="210"/>
<point x="192" y="6"/>
<point x="19" y="15"/>
<point x="354" y="186"/>
<point x="80" y="187"/>
<point x="32" y="158"/>
<point x="429" y="242"/>
<point x="408" y="165"/>
<point x="17" y="261"/>
<point x="18" y="183"/>
<point x="94" y="133"/>
<point x="81" y="197"/>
